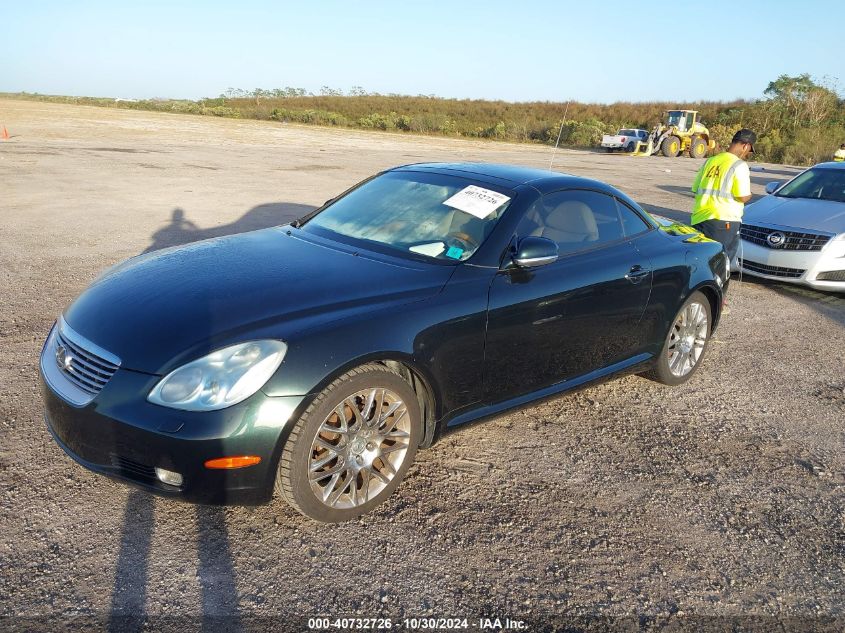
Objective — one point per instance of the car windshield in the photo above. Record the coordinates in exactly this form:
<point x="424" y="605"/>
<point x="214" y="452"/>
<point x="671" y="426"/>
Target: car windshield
<point x="433" y="215"/>
<point x="818" y="183"/>
<point x="627" y="132"/>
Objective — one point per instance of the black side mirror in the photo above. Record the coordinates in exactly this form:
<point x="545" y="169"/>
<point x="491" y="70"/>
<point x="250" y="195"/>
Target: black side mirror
<point x="535" y="251"/>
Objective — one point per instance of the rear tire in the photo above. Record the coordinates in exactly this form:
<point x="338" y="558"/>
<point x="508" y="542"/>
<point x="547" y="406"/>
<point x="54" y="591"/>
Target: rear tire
<point x="630" y="147"/>
<point x="685" y="344"/>
<point x="671" y="146"/>
<point x="352" y="447"/>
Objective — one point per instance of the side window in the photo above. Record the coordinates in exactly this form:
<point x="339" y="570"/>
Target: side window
<point x="576" y="220"/>
<point x="632" y="223"/>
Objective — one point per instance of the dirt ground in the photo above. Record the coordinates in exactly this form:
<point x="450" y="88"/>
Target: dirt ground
<point x="715" y="505"/>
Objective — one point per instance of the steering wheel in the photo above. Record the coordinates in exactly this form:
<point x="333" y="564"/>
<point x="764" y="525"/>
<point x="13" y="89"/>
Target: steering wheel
<point x="466" y="239"/>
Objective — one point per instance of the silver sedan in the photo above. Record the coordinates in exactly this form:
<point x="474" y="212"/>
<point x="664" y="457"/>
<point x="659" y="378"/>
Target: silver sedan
<point x="797" y="233"/>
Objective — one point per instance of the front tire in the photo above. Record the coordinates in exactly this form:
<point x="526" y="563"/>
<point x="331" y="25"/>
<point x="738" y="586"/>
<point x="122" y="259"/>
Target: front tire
<point x="352" y="447"/>
<point x="686" y="342"/>
<point x="671" y="146"/>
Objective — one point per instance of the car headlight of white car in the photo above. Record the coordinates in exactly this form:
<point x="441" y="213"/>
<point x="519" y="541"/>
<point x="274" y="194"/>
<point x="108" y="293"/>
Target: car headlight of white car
<point x="220" y="379"/>
<point x="836" y="246"/>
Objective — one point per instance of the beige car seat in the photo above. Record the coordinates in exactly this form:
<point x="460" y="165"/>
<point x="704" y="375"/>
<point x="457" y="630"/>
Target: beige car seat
<point x="570" y="222"/>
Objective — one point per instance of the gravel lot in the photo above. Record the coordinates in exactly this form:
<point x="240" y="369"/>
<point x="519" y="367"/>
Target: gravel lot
<point x="717" y="505"/>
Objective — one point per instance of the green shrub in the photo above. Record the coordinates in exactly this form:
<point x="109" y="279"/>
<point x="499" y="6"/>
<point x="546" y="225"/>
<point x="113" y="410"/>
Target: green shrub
<point x="813" y="145"/>
<point x="376" y="121"/>
<point x="800" y="121"/>
<point x="586" y="134"/>
<point x="225" y="111"/>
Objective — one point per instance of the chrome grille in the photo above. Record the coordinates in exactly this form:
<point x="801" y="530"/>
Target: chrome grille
<point x="774" y="271"/>
<point x="83" y="368"/>
<point x="74" y="367"/>
<point x="793" y="240"/>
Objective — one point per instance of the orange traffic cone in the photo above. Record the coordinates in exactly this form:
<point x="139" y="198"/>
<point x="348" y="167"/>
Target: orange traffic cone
<point x="5" y="135"/>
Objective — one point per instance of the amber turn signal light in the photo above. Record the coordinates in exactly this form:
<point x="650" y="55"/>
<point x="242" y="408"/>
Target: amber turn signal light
<point x="241" y="461"/>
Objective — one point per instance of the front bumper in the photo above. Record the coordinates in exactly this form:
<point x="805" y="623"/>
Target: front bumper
<point x="121" y="435"/>
<point x="797" y="267"/>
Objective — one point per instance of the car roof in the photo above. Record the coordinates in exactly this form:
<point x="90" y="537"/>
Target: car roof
<point x="831" y="165"/>
<point x="509" y="175"/>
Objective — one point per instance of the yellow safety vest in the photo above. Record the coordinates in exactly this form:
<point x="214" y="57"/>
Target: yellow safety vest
<point x="839" y="155"/>
<point x="714" y="187"/>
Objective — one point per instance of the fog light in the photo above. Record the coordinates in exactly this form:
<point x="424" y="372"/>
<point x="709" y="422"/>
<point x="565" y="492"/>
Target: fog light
<point x="169" y="477"/>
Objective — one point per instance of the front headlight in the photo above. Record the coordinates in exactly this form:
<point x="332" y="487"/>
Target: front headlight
<point x="836" y="246"/>
<point x="220" y="379"/>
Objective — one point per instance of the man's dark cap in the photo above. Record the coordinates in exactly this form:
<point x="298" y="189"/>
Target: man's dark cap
<point x="745" y="136"/>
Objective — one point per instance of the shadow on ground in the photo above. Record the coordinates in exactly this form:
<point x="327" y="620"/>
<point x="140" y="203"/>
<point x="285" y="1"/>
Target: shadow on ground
<point x="181" y="230"/>
<point x="672" y="214"/>
<point x="128" y="604"/>
<point x="828" y="304"/>
<point x="779" y="172"/>
<point x="765" y="180"/>
<point x="215" y="570"/>
<point x="684" y="191"/>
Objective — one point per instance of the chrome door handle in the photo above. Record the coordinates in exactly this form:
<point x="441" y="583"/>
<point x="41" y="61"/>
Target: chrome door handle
<point x="637" y="274"/>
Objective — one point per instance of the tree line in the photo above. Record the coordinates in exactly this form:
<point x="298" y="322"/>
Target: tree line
<point x="798" y="119"/>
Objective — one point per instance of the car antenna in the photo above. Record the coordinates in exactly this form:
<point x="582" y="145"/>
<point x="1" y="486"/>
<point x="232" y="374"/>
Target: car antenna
<point x="554" y="151"/>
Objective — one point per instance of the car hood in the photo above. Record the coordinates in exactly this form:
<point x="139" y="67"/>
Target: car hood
<point x="800" y="213"/>
<point x="159" y="310"/>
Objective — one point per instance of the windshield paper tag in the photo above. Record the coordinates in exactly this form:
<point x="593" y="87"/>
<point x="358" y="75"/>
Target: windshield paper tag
<point x="476" y="201"/>
<point x="432" y="250"/>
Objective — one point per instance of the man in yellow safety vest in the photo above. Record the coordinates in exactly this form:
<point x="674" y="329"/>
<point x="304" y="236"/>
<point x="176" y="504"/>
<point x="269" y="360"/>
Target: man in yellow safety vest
<point x="839" y="155"/>
<point x="722" y="187"/>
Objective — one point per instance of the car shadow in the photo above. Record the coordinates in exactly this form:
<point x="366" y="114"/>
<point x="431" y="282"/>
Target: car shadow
<point x="180" y="230"/>
<point x="828" y="304"/>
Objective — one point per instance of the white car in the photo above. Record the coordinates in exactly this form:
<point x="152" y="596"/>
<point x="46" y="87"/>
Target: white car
<point x="797" y="233"/>
<point x="626" y="139"/>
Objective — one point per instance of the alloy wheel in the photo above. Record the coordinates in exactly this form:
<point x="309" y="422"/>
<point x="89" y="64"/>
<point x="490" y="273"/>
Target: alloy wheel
<point x="687" y="339"/>
<point x="359" y="448"/>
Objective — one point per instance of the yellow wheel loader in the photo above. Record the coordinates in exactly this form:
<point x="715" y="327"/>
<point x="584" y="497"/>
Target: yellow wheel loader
<point x="682" y="132"/>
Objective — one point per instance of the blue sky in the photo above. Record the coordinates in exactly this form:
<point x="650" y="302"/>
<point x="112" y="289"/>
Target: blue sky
<point x="516" y="50"/>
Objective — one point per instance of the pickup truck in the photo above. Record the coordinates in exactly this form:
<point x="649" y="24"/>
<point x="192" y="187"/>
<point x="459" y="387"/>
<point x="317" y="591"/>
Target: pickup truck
<point x="626" y="139"/>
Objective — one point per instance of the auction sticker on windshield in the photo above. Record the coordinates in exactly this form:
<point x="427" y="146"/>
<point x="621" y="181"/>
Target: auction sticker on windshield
<point x="477" y="201"/>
